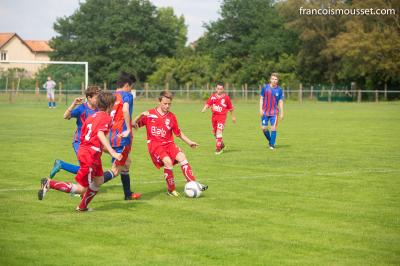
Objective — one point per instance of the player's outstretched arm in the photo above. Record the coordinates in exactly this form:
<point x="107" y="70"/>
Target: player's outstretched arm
<point x="135" y="121"/>
<point x="77" y="101"/>
<point x="107" y="146"/>
<point x="206" y="106"/>
<point x="192" y="144"/>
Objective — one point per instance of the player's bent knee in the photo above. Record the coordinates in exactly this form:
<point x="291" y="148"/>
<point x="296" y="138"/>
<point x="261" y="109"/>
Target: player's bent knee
<point x="80" y="190"/>
<point x="93" y="186"/>
<point x="180" y="157"/>
<point x="115" y="169"/>
<point x="127" y="164"/>
<point x="98" y="181"/>
<point x="167" y="161"/>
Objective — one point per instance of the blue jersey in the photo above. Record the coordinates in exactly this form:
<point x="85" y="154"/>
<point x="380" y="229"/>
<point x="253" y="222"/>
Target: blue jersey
<point x="119" y="124"/>
<point x="81" y="113"/>
<point x="271" y="98"/>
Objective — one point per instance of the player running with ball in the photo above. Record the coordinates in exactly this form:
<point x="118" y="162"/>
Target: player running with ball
<point x="160" y="124"/>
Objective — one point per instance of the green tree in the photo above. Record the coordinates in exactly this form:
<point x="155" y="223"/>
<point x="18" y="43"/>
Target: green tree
<point x="247" y="41"/>
<point x="118" y="35"/>
<point x="313" y="66"/>
<point x="343" y="49"/>
<point x="193" y="69"/>
<point x="369" y="48"/>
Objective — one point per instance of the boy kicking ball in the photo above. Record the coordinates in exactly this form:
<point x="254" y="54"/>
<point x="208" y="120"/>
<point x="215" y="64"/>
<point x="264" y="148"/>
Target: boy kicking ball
<point x="160" y="125"/>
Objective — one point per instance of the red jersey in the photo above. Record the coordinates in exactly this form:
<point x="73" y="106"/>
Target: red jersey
<point x="160" y="127"/>
<point x="100" y="121"/>
<point x="220" y="104"/>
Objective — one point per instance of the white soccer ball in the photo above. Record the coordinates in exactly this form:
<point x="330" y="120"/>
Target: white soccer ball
<point x="192" y="189"/>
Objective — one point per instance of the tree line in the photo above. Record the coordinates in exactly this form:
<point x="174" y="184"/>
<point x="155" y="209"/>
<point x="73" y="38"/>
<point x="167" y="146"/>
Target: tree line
<point x="250" y="40"/>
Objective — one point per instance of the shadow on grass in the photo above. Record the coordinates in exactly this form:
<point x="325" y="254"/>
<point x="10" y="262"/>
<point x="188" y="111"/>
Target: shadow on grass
<point x="282" y="146"/>
<point x="120" y="203"/>
<point x="231" y="151"/>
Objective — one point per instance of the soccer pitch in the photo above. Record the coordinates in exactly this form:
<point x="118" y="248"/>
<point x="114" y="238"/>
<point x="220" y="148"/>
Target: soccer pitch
<point x="328" y="195"/>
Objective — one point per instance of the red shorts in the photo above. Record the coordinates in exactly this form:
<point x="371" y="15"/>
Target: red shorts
<point x="124" y="150"/>
<point x="90" y="166"/>
<point x="158" y="151"/>
<point x="218" y="122"/>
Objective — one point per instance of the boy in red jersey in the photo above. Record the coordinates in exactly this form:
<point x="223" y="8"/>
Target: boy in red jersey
<point x="160" y="124"/>
<point x="221" y="104"/>
<point x="93" y="139"/>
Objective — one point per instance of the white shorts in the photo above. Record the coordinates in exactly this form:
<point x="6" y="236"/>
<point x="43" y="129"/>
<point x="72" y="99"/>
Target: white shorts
<point x="50" y="93"/>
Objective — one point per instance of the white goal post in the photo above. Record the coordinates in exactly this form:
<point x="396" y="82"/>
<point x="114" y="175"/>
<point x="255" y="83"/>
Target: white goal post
<point x="86" y="64"/>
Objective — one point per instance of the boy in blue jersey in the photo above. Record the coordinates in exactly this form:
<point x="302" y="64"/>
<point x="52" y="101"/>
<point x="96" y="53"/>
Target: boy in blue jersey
<point x="121" y="134"/>
<point x="81" y="111"/>
<point x="271" y="104"/>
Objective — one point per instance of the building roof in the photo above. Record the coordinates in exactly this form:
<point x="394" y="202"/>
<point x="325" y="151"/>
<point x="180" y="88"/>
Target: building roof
<point x="38" y="46"/>
<point x="34" y="46"/>
<point x="5" y="37"/>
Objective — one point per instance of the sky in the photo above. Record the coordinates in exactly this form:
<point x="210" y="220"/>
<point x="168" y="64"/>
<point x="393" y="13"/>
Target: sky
<point x="33" y="19"/>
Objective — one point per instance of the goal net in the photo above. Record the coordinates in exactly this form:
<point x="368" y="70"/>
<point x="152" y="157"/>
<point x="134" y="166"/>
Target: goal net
<point x="26" y="78"/>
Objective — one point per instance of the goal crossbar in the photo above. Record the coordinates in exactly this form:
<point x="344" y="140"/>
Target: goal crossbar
<point x="86" y="64"/>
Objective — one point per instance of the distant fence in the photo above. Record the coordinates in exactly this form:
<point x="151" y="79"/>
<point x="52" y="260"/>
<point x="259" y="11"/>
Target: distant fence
<point x="243" y="94"/>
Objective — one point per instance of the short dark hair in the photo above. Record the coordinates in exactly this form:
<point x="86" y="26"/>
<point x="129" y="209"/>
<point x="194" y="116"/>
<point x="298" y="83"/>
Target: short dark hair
<point x="220" y="83"/>
<point x="92" y="91"/>
<point x="125" y="78"/>
<point x="165" y="94"/>
<point x="105" y="100"/>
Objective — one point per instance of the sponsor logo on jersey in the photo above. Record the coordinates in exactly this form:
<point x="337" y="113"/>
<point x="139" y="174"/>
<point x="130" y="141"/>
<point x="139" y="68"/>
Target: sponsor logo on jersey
<point x="158" y="132"/>
<point x="217" y="108"/>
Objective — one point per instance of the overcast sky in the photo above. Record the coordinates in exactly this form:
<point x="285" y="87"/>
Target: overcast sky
<point x="33" y="19"/>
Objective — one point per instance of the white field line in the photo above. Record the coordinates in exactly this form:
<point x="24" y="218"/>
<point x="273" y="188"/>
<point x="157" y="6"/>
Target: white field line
<point x="178" y="180"/>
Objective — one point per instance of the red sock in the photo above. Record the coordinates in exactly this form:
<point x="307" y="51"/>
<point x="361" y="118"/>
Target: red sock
<point x="61" y="186"/>
<point x="218" y="143"/>
<point x="169" y="178"/>
<point x="187" y="171"/>
<point x="87" y="198"/>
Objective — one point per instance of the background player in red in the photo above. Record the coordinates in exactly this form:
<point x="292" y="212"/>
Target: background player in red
<point x="161" y="124"/>
<point x="121" y="133"/>
<point x="220" y="104"/>
<point x="93" y="139"/>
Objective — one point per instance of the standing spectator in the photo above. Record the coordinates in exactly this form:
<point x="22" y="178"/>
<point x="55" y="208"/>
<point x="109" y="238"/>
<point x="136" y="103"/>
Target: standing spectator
<point x="50" y="86"/>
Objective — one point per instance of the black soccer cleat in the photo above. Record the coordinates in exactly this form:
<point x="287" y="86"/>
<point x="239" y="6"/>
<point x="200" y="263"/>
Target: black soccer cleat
<point x="203" y="187"/>
<point x="44" y="187"/>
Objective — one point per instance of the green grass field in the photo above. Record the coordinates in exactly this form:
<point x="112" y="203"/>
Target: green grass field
<point x="328" y="195"/>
